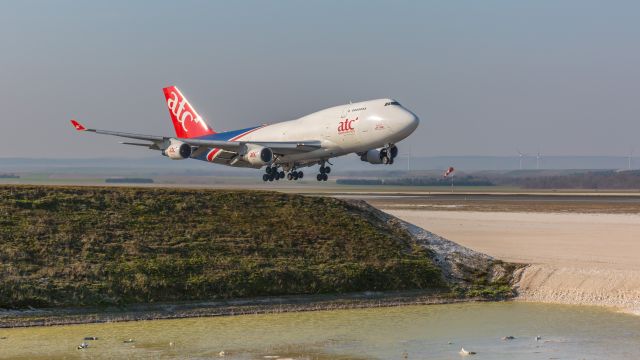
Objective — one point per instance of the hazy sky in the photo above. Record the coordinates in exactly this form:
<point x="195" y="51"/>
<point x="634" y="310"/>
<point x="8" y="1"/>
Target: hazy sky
<point x="485" y="77"/>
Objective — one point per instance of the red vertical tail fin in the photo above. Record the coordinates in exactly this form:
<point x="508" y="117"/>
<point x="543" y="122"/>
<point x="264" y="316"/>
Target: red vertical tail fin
<point x="186" y="121"/>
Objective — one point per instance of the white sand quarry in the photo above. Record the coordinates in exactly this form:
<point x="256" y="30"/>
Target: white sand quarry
<point x="591" y="259"/>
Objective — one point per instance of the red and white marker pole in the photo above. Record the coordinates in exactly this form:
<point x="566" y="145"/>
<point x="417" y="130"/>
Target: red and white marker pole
<point x="449" y="171"/>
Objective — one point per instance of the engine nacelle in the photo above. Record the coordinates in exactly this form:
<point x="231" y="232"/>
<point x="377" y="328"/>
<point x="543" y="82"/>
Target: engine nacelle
<point x="373" y="156"/>
<point x="177" y="150"/>
<point x="380" y="156"/>
<point x="257" y="155"/>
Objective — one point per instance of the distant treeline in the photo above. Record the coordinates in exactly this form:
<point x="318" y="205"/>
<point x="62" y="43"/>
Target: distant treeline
<point x="588" y="180"/>
<point x="9" y="176"/>
<point x="583" y="180"/>
<point x="420" y="181"/>
<point x="129" y="181"/>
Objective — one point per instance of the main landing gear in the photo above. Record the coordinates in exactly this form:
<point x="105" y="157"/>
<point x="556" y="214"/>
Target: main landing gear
<point x="273" y="173"/>
<point x="324" y="170"/>
<point x="295" y="175"/>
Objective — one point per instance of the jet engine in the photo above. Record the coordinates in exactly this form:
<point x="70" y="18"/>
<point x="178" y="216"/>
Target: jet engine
<point x="380" y="156"/>
<point x="177" y="150"/>
<point x="257" y="155"/>
<point x="372" y="156"/>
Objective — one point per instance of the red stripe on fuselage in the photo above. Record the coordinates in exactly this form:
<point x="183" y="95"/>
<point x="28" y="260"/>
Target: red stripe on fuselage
<point x="212" y="154"/>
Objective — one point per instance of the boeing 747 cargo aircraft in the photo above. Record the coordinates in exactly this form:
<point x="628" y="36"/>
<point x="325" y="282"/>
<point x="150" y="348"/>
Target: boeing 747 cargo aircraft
<point x="369" y="129"/>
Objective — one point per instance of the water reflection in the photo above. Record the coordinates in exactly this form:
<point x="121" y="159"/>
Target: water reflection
<point x="412" y="332"/>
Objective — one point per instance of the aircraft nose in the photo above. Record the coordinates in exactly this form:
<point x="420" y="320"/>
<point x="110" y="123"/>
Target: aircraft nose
<point x="410" y="121"/>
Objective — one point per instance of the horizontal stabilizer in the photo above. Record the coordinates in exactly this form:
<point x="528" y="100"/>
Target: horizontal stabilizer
<point x="150" y="146"/>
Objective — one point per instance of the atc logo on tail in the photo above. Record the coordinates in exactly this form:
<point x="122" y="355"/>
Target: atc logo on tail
<point x="187" y="122"/>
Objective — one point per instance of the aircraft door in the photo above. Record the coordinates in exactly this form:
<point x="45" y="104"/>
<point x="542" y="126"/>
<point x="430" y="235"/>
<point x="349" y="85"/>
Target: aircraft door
<point x="330" y="125"/>
<point x="344" y="110"/>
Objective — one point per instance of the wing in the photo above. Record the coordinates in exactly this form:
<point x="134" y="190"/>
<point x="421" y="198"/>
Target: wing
<point x="161" y="142"/>
<point x="156" y="142"/>
<point x="278" y="147"/>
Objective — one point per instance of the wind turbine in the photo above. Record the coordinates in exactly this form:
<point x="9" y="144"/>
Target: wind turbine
<point x="538" y="159"/>
<point x="521" y="157"/>
<point x="407" y="155"/>
<point x="630" y="158"/>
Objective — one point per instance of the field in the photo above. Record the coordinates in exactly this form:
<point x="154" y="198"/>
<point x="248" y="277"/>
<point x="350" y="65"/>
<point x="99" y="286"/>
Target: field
<point x="73" y="246"/>
<point x="539" y="202"/>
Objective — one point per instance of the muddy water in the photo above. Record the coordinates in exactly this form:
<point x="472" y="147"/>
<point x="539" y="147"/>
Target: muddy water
<point x="419" y="332"/>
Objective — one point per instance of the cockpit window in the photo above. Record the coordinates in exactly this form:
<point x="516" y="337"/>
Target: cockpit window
<point x="392" y="103"/>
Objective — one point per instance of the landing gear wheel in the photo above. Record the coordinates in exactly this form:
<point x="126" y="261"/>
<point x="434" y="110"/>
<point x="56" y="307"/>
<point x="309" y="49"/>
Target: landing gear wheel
<point x="327" y="170"/>
<point x="322" y="169"/>
<point x="295" y="175"/>
<point x="271" y="177"/>
<point x="319" y="177"/>
<point x="300" y="174"/>
<point x="268" y="170"/>
<point x="325" y="177"/>
<point x="281" y="174"/>
<point x="290" y="176"/>
<point x="385" y="159"/>
<point x="265" y="177"/>
<point x="393" y="150"/>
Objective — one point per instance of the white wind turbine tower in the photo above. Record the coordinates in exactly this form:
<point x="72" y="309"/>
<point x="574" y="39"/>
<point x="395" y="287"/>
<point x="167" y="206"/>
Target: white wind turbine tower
<point x="538" y="155"/>
<point x="521" y="155"/>
<point x="406" y="155"/>
<point x="630" y="158"/>
<point x="409" y="159"/>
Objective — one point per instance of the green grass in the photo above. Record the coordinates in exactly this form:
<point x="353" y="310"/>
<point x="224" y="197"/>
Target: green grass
<point x="496" y="289"/>
<point x="76" y="246"/>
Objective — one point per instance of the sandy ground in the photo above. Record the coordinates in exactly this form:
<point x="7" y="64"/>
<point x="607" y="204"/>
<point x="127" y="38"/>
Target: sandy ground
<point x="576" y="258"/>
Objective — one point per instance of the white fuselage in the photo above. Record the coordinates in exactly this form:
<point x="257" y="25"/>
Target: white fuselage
<point x="344" y="129"/>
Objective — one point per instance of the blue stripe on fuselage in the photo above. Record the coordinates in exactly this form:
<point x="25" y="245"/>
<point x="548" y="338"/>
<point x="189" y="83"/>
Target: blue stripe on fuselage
<point x="227" y="135"/>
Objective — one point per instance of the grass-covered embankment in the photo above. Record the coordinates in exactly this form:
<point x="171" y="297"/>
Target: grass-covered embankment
<point x="75" y="246"/>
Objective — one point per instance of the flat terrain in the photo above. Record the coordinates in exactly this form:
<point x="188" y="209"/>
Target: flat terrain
<point x="308" y="185"/>
<point x="583" y="249"/>
<point x="610" y="241"/>
<point x="562" y="202"/>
